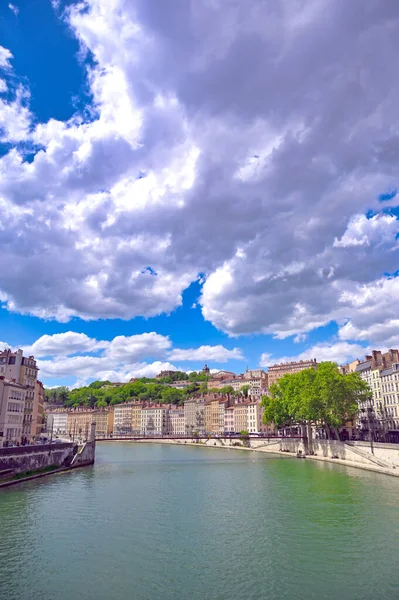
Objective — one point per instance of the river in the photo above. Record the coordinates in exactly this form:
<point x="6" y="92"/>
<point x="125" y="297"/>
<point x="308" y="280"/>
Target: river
<point x="163" y="522"/>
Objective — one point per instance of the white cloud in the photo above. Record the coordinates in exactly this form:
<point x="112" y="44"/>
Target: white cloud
<point x="14" y="9"/>
<point x="5" y="57"/>
<point x="64" y="344"/>
<point x="76" y="355"/>
<point x="206" y="353"/>
<point x="339" y="352"/>
<point x="133" y="348"/>
<point x="361" y="231"/>
<point x="242" y="142"/>
<point x="15" y="117"/>
<point x="86" y="368"/>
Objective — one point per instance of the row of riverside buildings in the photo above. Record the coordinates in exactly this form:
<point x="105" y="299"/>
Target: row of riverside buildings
<point x="21" y="399"/>
<point x="209" y="414"/>
<point x="212" y="413"/>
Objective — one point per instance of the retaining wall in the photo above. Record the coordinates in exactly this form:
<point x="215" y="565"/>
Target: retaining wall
<point x="32" y="458"/>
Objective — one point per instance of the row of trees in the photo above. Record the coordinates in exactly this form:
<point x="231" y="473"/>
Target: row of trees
<point x="103" y="393"/>
<point x="322" y="396"/>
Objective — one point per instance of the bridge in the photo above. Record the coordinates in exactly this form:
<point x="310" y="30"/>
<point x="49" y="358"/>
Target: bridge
<point x="237" y="436"/>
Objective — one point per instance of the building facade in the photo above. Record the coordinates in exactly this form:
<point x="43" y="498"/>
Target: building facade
<point x="377" y="416"/>
<point x="12" y="403"/>
<point x="176" y="424"/>
<point x="14" y="365"/>
<point x="123" y="419"/>
<point x="56" y="422"/>
<point x="154" y="419"/>
<point x="194" y="415"/>
<point x="38" y="412"/>
<point x="276" y="371"/>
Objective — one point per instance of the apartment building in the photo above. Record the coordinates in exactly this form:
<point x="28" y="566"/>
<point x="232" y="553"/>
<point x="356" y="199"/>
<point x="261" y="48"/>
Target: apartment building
<point x="241" y="417"/>
<point x="14" y="365"/>
<point x="57" y="421"/>
<point x="137" y="408"/>
<point x="279" y="370"/>
<point x="389" y="402"/>
<point x="378" y="370"/>
<point x="229" y="420"/>
<point x="154" y="419"/>
<point x="176" y="424"/>
<point x="220" y="379"/>
<point x="38" y="411"/>
<point x="123" y="419"/>
<point x="104" y="419"/>
<point x="12" y="403"/>
<point x="194" y="415"/>
<point x="79" y="422"/>
<point x="215" y="415"/>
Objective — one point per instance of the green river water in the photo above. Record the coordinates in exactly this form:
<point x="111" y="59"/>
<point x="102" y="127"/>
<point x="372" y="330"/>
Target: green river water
<point x="159" y="522"/>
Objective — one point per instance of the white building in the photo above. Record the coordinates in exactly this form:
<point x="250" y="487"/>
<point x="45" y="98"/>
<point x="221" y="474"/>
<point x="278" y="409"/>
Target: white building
<point x="57" y="423"/>
<point x="389" y="403"/>
<point x="154" y="419"/>
<point x="123" y="419"/>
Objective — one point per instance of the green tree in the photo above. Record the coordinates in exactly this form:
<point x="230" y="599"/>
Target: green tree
<point x="244" y="390"/>
<point x="323" y="396"/>
<point x="172" y="396"/>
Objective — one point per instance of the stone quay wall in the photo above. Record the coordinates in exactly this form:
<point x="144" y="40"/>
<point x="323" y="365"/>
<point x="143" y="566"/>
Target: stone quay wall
<point x="383" y="458"/>
<point x="22" y="459"/>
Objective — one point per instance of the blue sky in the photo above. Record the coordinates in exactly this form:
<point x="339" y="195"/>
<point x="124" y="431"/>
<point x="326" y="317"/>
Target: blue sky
<point x="166" y="202"/>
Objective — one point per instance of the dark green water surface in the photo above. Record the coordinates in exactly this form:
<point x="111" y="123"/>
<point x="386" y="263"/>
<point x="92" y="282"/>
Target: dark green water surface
<point x="158" y="522"/>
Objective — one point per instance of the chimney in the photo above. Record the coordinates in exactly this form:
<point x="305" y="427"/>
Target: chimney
<point x="368" y="357"/>
<point x="377" y="357"/>
<point x="394" y="355"/>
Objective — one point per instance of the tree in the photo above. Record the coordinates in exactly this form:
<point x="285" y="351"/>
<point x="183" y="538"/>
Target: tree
<point x="172" y="396"/>
<point x="244" y="390"/>
<point x="323" y="396"/>
<point x="227" y="390"/>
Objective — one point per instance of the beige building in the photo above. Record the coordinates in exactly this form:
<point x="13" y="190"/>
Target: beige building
<point x="215" y="415"/>
<point x="38" y="412"/>
<point x="12" y="402"/>
<point x="194" y="415"/>
<point x="276" y="371"/>
<point x="241" y="417"/>
<point x="79" y="422"/>
<point x="176" y="424"/>
<point x="137" y="407"/>
<point x="104" y="419"/>
<point x="14" y="365"/>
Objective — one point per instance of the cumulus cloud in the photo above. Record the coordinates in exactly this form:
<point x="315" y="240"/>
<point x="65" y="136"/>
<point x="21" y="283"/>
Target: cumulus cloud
<point x="63" y="344"/>
<point x="339" y="352"/>
<point x="86" y="368"/>
<point x="207" y="353"/>
<point x="76" y="355"/>
<point x="15" y="117"/>
<point x="241" y="141"/>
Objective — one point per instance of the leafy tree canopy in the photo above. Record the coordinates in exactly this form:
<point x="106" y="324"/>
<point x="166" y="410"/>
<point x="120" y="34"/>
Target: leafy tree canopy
<point x="323" y="396"/>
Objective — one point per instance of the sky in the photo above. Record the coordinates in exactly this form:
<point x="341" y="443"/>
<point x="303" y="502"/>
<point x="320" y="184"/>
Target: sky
<point x="197" y="181"/>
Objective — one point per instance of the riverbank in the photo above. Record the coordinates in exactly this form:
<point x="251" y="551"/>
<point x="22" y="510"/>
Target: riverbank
<point x="340" y="453"/>
<point x="16" y="480"/>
